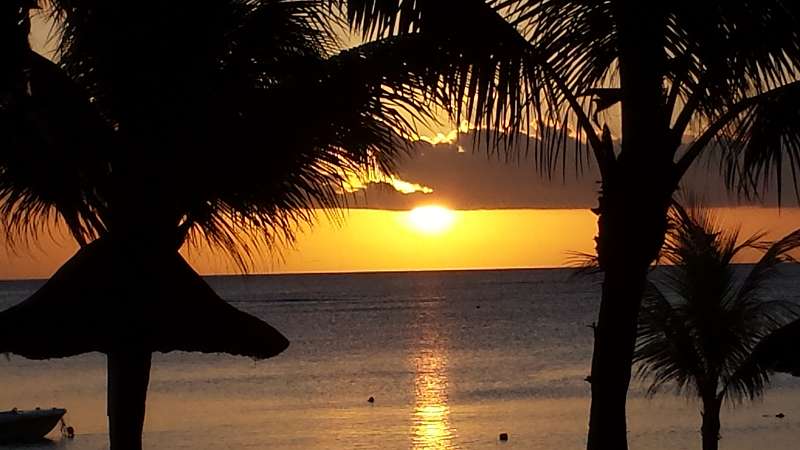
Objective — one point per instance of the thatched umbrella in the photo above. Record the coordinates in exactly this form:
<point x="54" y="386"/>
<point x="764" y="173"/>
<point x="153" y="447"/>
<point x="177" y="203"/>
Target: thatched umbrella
<point x="113" y="300"/>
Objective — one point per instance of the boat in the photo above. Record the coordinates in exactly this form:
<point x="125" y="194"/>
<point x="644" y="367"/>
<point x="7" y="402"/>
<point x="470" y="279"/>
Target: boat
<point x="32" y="425"/>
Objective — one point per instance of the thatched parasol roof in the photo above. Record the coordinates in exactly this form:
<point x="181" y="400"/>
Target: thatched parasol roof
<point x="107" y="298"/>
<point x="780" y="351"/>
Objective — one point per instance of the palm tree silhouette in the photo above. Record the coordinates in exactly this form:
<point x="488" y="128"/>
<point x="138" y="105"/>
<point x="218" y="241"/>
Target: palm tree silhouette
<point x="227" y="122"/>
<point x="729" y="67"/>
<point x="702" y="319"/>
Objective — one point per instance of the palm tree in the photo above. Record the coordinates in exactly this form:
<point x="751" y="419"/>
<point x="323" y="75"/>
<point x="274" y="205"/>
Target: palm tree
<point x="228" y="121"/>
<point x="728" y="67"/>
<point x="702" y="318"/>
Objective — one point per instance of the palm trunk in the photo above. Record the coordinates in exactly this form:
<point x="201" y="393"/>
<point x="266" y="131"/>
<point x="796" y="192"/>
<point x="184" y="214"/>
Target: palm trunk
<point x="711" y="424"/>
<point x="630" y="237"/>
<point x="615" y="338"/>
<point x="128" y="378"/>
<point x="637" y="188"/>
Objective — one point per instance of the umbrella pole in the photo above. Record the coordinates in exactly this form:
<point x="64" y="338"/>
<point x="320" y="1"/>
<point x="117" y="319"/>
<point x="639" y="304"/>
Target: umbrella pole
<point x="128" y="378"/>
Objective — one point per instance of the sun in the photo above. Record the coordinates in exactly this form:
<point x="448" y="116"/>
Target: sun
<point x="431" y="219"/>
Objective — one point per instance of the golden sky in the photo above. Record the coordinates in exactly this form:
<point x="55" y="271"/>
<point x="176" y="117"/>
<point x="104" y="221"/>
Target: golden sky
<point x="377" y="240"/>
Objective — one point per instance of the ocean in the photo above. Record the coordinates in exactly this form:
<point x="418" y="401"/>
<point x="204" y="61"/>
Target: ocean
<point x="452" y="360"/>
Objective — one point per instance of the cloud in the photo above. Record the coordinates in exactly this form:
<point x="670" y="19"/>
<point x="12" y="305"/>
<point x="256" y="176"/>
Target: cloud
<point x="360" y="182"/>
<point x="455" y="170"/>
<point x="447" y="138"/>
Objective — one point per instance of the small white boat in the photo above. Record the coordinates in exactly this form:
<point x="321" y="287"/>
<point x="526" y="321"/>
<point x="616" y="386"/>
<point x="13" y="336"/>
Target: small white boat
<point x="23" y="426"/>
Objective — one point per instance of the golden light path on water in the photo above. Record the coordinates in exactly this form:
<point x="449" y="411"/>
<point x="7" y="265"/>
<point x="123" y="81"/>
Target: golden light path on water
<point x="431" y="418"/>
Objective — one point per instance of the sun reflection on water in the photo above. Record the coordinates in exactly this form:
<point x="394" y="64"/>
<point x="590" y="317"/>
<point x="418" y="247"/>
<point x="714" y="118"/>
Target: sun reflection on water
<point x="431" y="420"/>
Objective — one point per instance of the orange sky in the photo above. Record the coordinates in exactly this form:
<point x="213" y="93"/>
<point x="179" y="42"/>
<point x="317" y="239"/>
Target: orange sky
<point x="375" y="240"/>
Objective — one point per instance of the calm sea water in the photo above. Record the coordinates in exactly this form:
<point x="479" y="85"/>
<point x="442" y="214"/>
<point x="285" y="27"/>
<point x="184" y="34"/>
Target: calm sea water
<point x="451" y="358"/>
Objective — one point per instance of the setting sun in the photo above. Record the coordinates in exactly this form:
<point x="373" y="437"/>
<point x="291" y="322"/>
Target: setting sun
<point x="431" y="219"/>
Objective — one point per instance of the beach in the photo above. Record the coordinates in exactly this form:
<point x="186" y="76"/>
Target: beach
<point x="452" y="359"/>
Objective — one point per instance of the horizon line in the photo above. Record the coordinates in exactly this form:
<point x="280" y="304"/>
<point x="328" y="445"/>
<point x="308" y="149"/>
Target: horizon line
<point x="380" y="271"/>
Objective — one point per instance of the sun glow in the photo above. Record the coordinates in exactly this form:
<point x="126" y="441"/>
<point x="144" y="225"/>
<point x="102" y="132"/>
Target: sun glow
<point x="431" y="219"/>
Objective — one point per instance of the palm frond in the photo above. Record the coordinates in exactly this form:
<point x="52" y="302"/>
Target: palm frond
<point x="584" y="264"/>
<point x="504" y="77"/>
<point x="14" y="48"/>
<point x="747" y="382"/>
<point x="748" y="376"/>
<point x="381" y="18"/>
<point x="665" y="350"/>
<point x="264" y="85"/>
<point x="778" y="350"/>
<point x="52" y="161"/>
<point x="767" y="267"/>
<point x="763" y="144"/>
<point x="735" y="46"/>
<point x="356" y="126"/>
<point x="742" y="60"/>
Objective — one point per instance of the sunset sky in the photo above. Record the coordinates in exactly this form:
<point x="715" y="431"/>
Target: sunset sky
<point x="502" y="214"/>
<point x="488" y="213"/>
<point x="371" y="240"/>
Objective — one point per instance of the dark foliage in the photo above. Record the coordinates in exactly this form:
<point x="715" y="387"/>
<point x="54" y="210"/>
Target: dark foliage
<point x="700" y="323"/>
